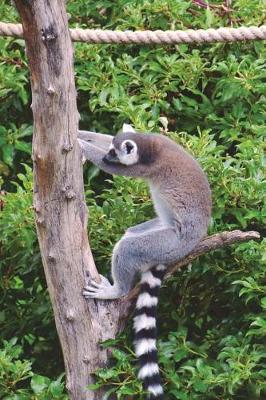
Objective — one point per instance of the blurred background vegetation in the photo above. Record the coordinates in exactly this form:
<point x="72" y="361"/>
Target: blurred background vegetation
<point x="211" y="99"/>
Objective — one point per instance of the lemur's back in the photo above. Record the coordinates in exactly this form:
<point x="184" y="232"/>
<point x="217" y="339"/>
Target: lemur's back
<point x="179" y="188"/>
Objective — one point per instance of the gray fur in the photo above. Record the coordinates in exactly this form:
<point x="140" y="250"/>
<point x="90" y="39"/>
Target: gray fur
<point x="182" y="200"/>
<point x="94" y="138"/>
<point x="153" y="224"/>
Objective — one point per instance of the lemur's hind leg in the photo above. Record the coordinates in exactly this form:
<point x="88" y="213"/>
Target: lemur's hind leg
<point x="152" y="224"/>
<point x="137" y="253"/>
<point x="93" y="288"/>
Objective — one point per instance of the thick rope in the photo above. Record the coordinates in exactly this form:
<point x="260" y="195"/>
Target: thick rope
<point x="153" y="37"/>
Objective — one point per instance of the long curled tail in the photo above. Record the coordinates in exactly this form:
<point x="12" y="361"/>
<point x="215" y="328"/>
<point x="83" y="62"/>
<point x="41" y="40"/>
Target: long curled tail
<point x="146" y="331"/>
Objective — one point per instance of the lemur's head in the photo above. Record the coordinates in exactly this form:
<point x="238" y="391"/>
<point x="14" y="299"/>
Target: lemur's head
<point x="122" y="152"/>
<point x="130" y="148"/>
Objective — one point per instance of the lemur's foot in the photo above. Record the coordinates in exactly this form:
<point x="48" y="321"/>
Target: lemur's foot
<point x="103" y="290"/>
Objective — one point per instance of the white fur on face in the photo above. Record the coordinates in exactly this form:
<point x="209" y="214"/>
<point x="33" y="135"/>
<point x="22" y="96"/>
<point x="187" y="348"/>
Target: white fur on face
<point x="128" y="154"/>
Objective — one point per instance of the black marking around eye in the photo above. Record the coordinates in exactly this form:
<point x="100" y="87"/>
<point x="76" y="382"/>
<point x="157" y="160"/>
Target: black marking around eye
<point x="129" y="147"/>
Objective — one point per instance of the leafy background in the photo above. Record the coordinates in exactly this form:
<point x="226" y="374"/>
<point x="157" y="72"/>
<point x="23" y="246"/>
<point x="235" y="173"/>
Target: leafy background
<point x="211" y="99"/>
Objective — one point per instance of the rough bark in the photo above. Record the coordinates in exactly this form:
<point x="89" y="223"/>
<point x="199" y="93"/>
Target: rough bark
<point x="61" y="214"/>
<point x="60" y="210"/>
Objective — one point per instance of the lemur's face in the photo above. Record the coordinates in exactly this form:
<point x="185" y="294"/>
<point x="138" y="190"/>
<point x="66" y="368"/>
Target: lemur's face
<point x="125" y="153"/>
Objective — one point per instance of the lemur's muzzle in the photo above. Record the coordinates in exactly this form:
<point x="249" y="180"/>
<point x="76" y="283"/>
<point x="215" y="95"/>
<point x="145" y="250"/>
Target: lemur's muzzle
<point x="111" y="158"/>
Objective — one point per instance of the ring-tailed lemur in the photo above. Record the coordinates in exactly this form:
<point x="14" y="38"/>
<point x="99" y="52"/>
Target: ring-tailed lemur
<point x="182" y="201"/>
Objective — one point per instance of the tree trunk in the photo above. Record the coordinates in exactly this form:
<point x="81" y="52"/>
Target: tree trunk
<point x="60" y="210"/>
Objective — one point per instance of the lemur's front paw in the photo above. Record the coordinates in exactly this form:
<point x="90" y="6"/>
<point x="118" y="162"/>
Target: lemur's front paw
<point x="94" y="290"/>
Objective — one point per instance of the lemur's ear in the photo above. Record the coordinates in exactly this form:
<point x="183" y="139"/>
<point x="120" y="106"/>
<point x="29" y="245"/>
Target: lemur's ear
<point x="128" y="128"/>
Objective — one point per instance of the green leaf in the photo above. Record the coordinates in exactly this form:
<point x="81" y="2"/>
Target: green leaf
<point x="39" y="383"/>
<point x="56" y="388"/>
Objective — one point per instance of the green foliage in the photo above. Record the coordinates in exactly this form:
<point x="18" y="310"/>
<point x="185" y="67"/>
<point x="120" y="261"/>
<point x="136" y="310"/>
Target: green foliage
<point x="14" y="372"/>
<point x="123" y="204"/>
<point x="24" y="302"/>
<point x="10" y="142"/>
<point x="211" y="99"/>
<point x="15" y="124"/>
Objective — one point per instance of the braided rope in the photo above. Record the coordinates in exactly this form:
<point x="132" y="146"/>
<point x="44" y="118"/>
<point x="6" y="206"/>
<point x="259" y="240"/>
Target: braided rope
<point x="153" y="37"/>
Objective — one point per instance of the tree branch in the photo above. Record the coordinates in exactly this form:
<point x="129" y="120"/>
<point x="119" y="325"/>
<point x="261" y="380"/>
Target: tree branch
<point x="207" y="244"/>
<point x="214" y="242"/>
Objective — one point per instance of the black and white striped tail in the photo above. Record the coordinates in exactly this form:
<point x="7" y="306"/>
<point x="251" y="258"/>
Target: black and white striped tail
<point x="146" y="332"/>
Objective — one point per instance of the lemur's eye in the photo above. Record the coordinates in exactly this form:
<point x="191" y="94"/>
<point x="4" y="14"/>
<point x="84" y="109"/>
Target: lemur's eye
<point x="112" y="152"/>
<point x="129" y="147"/>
